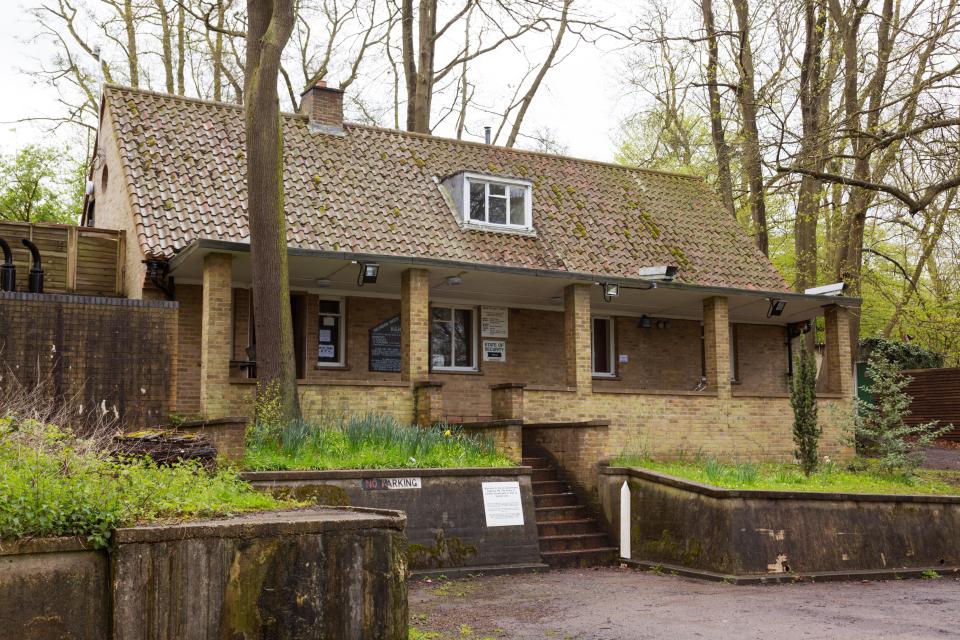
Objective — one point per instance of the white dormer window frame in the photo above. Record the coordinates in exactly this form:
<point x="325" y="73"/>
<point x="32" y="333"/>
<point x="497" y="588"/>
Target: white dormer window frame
<point x="497" y="192"/>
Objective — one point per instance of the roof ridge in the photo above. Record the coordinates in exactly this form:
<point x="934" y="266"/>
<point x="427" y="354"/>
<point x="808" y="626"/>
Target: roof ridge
<point x="424" y="136"/>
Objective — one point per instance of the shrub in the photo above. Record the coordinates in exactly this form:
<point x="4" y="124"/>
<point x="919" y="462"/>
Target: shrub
<point x="803" y="399"/>
<point x="906" y="355"/>
<point x="880" y="429"/>
<point x="366" y="442"/>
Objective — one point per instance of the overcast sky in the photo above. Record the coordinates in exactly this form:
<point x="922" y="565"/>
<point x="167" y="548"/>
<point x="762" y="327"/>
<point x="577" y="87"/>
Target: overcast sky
<point x="581" y="101"/>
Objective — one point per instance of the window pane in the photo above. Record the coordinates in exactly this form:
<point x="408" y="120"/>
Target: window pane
<point x="442" y="313"/>
<point x="478" y="197"/>
<point x="330" y="306"/>
<point x="498" y="189"/>
<point x="328" y="340"/>
<point x="463" y="338"/>
<point x="601" y="345"/>
<point x="498" y="209"/>
<point x="517" y="211"/>
<point x="440" y="344"/>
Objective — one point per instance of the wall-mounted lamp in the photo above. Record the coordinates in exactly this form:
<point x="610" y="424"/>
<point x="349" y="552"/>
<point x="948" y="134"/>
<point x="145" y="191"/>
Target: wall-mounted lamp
<point x="368" y="273"/>
<point x="453" y="281"/>
<point x="644" y="322"/>
<point x="610" y="290"/>
<point x="776" y="307"/>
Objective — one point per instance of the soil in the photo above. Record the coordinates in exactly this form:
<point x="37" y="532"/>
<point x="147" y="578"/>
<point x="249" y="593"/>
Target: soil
<point x="940" y="457"/>
<point x="626" y="604"/>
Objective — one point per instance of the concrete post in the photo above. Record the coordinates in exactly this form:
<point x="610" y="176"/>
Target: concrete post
<point x="216" y="333"/>
<point x="576" y="337"/>
<point x="716" y="345"/>
<point x="838" y="354"/>
<point x="414" y="325"/>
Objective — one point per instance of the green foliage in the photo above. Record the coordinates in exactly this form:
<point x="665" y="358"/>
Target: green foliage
<point x="906" y="355"/>
<point x="366" y="442"/>
<point x="52" y="484"/>
<point x="861" y="476"/>
<point x="41" y="184"/>
<point x="880" y="430"/>
<point x="655" y="141"/>
<point x="803" y="399"/>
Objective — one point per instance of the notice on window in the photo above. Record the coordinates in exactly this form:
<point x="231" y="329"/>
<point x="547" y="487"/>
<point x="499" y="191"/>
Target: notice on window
<point x="328" y="351"/>
<point x="326" y="335"/>
<point x="493" y="322"/>
<point x="494" y="350"/>
<point x="502" y="504"/>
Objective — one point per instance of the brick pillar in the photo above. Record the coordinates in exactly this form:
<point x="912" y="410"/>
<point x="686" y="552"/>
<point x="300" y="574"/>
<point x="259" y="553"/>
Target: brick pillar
<point x="414" y="325"/>
<point x="837" y="354"/>
<point x="216" y="333"/>
<point x="507" y="401"/>
<point x="576" y="337"/>
<point x="429" y="403"/>
<point x="716" y="345"/>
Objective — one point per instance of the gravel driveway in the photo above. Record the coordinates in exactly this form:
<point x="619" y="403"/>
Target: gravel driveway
<point x="624" y="604"/>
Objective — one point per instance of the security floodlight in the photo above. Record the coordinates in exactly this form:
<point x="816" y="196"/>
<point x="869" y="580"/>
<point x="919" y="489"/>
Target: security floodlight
<point x="644" y="322"/>
<point x="835" y="289"/>
<point x="368" y="273"/>
<point x="610" y="290"/>
<point x="776" y="307"/>
<point x="453" y="281"/>
<point x="659" y="273"/>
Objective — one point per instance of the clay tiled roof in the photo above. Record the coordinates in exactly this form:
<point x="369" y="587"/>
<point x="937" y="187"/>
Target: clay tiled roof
<point x="373" y="191"/>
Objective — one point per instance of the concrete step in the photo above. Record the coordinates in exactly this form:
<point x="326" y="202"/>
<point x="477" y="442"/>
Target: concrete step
<point x="568" y="527"/>
<point x="544" y="475"/>
<point x="595" y="557"/>
<point x="536" y="463"/>
<point x="567" y="499"/>
<point x="552" y="514"/>
<point x="576" y="541"/>
<point x="550" y="486"/>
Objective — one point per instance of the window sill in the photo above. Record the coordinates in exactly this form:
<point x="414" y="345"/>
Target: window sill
<point x="331" y="367"/>
<point x="605" y="376"/>
<point x="457" y="372"/>
<point x="497" y="228"/>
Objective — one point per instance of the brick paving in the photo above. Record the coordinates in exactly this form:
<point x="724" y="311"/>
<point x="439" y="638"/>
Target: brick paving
<point x="623" y="604"/>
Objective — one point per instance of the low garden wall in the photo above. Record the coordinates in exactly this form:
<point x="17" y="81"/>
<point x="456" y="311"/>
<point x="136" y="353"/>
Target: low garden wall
<point x="446" y="509"/>
<point x="318" y="573"/>
<point x="771" y="533"/>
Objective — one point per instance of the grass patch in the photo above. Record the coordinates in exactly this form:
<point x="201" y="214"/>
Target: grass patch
<point x="366" y="442"/>
<point x="863" y="477"/>
<point x="55" y="484"/>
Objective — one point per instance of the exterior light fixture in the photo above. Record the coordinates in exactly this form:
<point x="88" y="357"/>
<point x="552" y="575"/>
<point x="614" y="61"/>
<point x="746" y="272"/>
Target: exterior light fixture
<point x="323" y="283"/>
<point x="777" y="306"/>
<point x="644" y="322"/>
<point x="368" y="273"/>
<point x="453" y="281"/>
<point x="835" y="289"/>
<point x="610" y="290"/>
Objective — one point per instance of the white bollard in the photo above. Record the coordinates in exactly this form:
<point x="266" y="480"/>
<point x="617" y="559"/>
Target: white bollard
<point x="625" y="521"/>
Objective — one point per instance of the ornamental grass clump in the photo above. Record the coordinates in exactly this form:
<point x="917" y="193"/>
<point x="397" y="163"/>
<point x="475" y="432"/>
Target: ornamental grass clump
<point x="372" y="441"/>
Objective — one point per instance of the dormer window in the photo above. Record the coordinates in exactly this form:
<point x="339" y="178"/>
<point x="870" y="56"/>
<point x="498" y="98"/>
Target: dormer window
<point x="492" y="203"/>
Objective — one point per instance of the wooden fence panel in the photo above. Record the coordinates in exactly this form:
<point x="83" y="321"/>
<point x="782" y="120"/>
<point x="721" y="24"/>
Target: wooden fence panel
<point x="936" y="396"/>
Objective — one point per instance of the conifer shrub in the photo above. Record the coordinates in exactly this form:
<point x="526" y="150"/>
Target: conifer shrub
<point x="803" y="399"/>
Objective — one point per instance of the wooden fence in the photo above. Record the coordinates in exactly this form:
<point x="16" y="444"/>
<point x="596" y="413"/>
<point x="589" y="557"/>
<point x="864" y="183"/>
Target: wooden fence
<point x="81" y="260"/>
<point x="936" y="396"/>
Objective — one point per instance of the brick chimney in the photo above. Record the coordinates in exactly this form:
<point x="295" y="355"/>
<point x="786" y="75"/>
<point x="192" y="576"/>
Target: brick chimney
<point x="324" y="106"/>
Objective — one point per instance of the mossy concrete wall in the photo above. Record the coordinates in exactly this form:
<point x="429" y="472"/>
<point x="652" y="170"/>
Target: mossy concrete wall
<point x="54" y="588"/>
<point x="744" y="533"/>
<point x="317" y="573"/>
<point x="446" y="520"/>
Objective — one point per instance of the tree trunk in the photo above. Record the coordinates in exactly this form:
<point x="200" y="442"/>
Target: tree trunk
<point x="166" y="44"/>
<point x="132" y="56"/>
<point x="270" y="23"/>
<point x="181" y="49"/>
<point x="722" y="149"/>
<point x="751" y="136"/>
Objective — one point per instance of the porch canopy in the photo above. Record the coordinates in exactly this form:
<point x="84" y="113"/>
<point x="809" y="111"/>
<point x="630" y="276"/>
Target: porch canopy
<point x="336" y="273"/>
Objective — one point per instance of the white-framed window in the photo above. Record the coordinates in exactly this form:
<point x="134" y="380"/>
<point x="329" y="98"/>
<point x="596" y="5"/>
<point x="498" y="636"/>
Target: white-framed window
<point x="602" y="346"/>
<point x="330" y="333"/>
<point x="453" y="338"/>
<point x="496" y="203"/>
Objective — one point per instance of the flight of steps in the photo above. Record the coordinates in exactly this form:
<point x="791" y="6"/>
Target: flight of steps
<point x="569" y="535"/>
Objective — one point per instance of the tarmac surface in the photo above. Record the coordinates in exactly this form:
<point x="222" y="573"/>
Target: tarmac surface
<point x="627" y="604"/>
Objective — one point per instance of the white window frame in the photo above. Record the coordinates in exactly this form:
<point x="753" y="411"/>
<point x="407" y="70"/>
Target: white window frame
<point x="474" y="337"/>
<point x="611" y="326"/>
<point x="341" y="332"/>
<point x="507" y="183"/>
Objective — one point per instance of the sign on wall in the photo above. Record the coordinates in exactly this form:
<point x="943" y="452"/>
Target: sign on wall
<point x="378" y="484"/>
<point x="385" y="345"/>
<point x="494" y="350"/>
<point x="493" y="322"/>
<point x="502" y="504"/>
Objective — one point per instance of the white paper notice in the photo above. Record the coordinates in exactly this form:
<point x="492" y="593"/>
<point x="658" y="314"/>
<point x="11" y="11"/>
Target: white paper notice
<point x="327" y="351"/>
<point x="502" y="503"/>
<point x="493" y="322"/>
<point x="326" y="335"/>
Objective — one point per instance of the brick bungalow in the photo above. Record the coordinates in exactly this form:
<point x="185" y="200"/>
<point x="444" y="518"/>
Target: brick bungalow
<point x="437" y="279"/>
